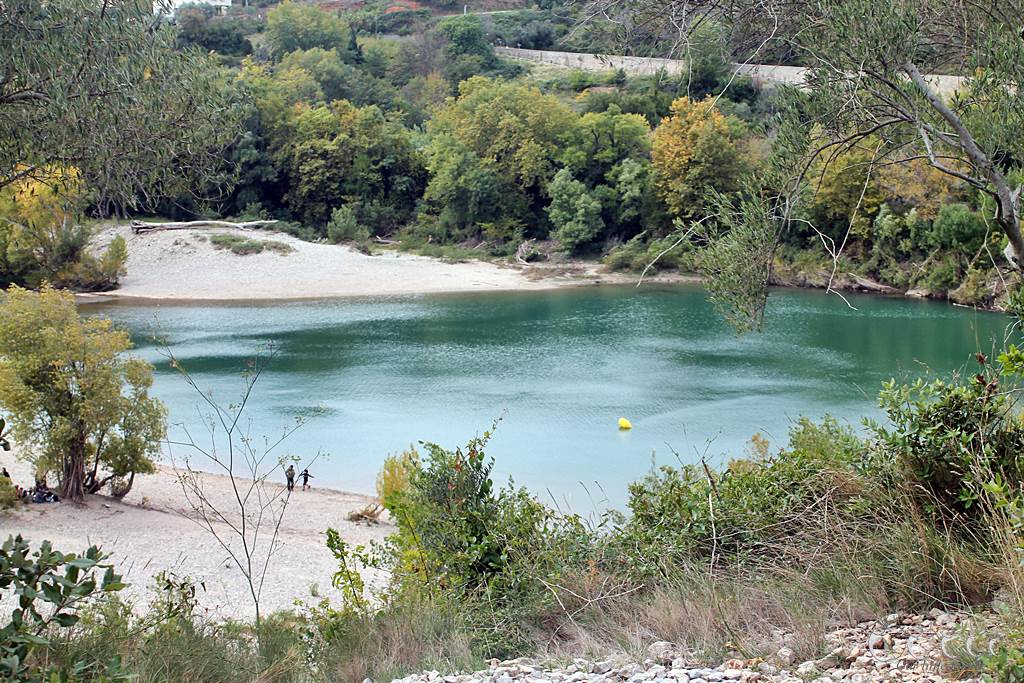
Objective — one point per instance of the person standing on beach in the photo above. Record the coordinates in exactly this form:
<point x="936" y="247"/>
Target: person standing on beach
<point x="306" y="476"/>
<point x="290" y="476"/>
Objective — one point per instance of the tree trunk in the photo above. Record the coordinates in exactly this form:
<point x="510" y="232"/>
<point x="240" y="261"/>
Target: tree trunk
<point x="72" y="484"/>
<point x="1006" y="198"/>
<point x="121" y="493"/>
<point x="139" y="227"/>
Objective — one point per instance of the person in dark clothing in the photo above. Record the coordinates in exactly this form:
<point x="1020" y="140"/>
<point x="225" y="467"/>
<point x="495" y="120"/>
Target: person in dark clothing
<point x="290" y="476"/>
<point x="5" y="474"/>
<point x="306" y="476"/>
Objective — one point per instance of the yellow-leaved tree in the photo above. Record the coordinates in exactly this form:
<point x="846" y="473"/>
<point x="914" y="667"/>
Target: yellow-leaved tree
<point x="696" y="149"/>
<point x="43" y="240"/>
<point x="77" y="405"/>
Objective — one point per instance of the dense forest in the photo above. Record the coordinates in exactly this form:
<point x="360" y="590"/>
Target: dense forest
<point x="401" y="124"/>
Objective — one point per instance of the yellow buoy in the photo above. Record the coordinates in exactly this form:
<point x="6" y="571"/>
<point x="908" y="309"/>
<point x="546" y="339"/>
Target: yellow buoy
<point x="625" y="424"/>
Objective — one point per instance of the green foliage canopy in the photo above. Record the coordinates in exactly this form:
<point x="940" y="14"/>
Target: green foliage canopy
<point x="75" y="401"/>
<point x="100" y="88"/>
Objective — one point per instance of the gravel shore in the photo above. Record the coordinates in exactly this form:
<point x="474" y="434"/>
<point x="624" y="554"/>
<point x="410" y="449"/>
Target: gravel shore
<point x="896" y="649"/>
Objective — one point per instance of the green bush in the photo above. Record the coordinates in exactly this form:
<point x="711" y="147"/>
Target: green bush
<point x="491" y="551"/>
<point x="8" y="494"/>
<point x="942" y="276"/>
<point x="1005" y="664"/>
<point x="345" y="227"/>
<point x="639" y="252"/>
<point x="244" y="246"/>
<point x="751" y="509"/>
<point x="957" y="227"/>
<point x="52" y="588"/>
<point x="974" y="290"/>
<point x="953" y="438"/>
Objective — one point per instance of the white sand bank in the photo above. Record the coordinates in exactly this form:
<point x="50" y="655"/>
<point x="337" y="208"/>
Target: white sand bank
<point x="182" y="264"/>
<point x="151" y="531"/>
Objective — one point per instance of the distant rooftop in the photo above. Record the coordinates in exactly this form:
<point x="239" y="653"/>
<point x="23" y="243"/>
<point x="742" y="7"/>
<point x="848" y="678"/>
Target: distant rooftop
<point x="172" y="6"/>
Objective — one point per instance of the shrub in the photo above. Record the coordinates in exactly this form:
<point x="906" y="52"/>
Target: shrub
<point x="345" y="227"/>
<point x="8" y="494"/>
<point x="953" y="438"/>
<point x="752" y="508"/>
<point x="393" y="479"/>
<point x="974" y="290"/>
<point x="52" y="587"/>
<point x="244" y="246"/>
<point x="942" y="276"/>
<point x="957" y="227"/>
<point x="492" y="552"/>
<point x="639" y="253"/>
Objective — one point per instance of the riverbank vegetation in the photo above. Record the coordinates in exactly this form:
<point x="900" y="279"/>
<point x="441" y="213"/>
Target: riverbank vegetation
<point x="374" y="126"/>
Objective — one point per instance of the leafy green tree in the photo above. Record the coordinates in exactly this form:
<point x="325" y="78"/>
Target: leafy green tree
<point x="199" y="27"/>
<point x="297" y="26"/>
<point x="341" y="154"/>
<point x="99" y="88"/>
<point x="575" y="213"/>
<point x="632" y="199"/>
<point x="462" y="192"/>
<point x="325" y="66"/>
<point x="515" y="134"/>
<point x="423" y="95"/>
<point x="468" y="52"/>
<point x="845" y="193"/>
<point x="609" y="152"/>
<point x="275" y="92"/>
<point x="339" y="80"/>
<point x="421" y="54"/>
<point x="959" y="228"/>
<point x="74" y="399"/>
<point x="466" y="36"/>
<point x="598" y="141"/>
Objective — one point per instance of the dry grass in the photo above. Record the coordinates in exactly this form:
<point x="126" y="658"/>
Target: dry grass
<point x="738" y="613"/>
<point x="391" y="643"/>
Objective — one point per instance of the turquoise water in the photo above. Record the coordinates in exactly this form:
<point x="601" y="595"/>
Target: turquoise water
<point x="374" y="376"/>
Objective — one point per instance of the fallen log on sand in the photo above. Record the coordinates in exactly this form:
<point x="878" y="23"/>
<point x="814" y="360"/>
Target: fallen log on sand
<point x="870" y="285"/>
<point x="139" y="227"/>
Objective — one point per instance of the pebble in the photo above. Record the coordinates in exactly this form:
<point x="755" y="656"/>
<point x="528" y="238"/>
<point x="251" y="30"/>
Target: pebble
<point x="903" y="648"/>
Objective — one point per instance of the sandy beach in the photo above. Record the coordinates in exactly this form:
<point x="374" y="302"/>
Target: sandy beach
<point x="152" y="530"/>
<point x="182" y="264"/>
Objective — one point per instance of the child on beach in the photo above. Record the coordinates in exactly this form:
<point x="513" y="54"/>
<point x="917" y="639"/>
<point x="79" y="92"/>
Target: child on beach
<point x="306" y="476"/>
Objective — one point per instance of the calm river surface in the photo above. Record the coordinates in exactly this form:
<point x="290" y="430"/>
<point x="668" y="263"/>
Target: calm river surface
<point x="374" y="376"/>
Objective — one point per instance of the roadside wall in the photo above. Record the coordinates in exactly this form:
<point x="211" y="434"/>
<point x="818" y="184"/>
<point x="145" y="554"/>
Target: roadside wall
<point x="762" y="74"/>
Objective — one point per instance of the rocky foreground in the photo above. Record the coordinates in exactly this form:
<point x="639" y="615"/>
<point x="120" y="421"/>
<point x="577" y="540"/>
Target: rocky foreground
<point x="898" y="648"/>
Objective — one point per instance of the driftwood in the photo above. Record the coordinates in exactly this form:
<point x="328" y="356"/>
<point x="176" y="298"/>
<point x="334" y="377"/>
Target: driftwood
<point x="139" y="227"/>
<point x="523" y="251"/>
<point x="381" y="240"/>
<point x="870" y="285"/>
